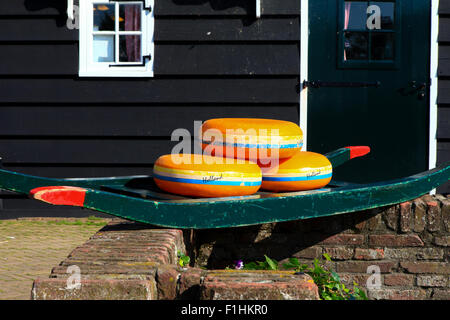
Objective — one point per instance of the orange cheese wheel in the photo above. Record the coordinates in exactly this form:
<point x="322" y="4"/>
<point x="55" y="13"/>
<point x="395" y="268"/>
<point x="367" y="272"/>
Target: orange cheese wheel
<point x="206" y="176"/>
<point x="251" y="139"/>
<point x="303" y="171"/>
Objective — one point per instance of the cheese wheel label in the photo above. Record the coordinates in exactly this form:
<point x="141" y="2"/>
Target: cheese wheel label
<point x="206" y="176"/>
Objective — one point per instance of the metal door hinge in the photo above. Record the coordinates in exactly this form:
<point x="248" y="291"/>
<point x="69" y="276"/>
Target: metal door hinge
<point x="320" y="84"/>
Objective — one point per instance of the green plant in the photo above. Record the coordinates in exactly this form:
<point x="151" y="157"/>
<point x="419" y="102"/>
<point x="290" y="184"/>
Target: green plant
<point x="269" y="264"/>
<point x="183" y="260"/>
<point x="327" y="281"/>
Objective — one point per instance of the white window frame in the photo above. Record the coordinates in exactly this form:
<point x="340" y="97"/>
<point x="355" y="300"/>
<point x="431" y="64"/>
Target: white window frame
<point x="89" y="68"/>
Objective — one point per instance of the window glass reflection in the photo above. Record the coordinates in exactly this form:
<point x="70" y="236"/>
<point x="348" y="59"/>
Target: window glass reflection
<point x="356" y="45"/>
<point x="130" y="17"/>
<point x="387" y="11"/>
<point x="104" y="16"/>
<point x="130" y="48"/>
<point x="355" y="15"/>
<point x="382" y="46"/>
<point x="103" y="48"/>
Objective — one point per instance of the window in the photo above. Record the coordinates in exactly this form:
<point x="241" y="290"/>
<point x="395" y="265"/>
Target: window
<point x="369" y="34"/>
<point x="116" y="38"/>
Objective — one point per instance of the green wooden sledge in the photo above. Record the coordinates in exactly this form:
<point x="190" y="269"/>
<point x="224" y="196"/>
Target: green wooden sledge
<point x="137" y="198"/>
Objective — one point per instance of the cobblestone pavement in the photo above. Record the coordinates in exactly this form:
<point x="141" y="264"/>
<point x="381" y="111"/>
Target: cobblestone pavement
<point x="30" y="248"/>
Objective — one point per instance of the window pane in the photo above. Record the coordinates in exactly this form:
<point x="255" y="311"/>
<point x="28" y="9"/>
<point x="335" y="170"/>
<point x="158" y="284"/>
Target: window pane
<point x="387" y="10"/>
<point x="103" y="48"/>
<point x="355" y="15"/>
<point x="130" y="48"/>
<point x="104" y="16"/>
<point x="130" y="17"/>
<point x="382" y="46"/>
<point x="355" y="46"/>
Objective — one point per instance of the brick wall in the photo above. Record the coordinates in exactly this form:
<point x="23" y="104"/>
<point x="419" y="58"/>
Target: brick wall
<point x="408" y="243"/>
<point x="127" y="260"/>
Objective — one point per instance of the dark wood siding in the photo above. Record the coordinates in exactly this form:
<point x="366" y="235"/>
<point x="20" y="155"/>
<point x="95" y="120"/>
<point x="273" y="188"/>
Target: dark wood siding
<point x="443" y="134"/>
<point x="212" y="59"/>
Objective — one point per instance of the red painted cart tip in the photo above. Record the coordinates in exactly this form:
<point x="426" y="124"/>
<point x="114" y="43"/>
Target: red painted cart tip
<point x="60" y="195"/>
<point x="358" y="151"/>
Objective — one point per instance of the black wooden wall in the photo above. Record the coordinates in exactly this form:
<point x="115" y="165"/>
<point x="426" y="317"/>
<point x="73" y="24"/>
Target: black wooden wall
<point x="443" y="133"/>
<point x="212" y="59"/>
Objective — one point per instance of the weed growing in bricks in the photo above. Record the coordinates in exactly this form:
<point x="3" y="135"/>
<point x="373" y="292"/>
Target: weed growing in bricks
<point x="183" y="260"/>
<point x="327" y="281"/>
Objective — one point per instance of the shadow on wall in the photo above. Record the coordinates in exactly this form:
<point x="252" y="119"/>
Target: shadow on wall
<point x="247" y="5"/>
<point x="59" y="6"/>
<point x="217" y="249"/>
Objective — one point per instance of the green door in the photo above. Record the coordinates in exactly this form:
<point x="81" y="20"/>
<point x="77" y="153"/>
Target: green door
<point x="369" y="84"/>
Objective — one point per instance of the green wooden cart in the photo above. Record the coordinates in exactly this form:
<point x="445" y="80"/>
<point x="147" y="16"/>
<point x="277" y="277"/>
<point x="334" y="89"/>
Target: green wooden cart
<point x="137" y="198"/>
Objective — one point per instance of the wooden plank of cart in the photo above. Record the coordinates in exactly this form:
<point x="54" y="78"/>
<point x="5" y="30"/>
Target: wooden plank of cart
<point x="137" y="198"/>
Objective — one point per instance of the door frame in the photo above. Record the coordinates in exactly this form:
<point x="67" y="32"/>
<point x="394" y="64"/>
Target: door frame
<point x="433" y="62"/>
<point x="303" y="75"/>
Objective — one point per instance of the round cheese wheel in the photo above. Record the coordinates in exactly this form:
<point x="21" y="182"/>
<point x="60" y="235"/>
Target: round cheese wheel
<point x="251" y="139"/>
<point x="303" y="171"/>
<point x="206" y="176"/>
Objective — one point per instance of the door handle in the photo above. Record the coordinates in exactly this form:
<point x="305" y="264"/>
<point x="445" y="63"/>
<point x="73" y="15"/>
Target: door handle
<point x="420" y="88"/>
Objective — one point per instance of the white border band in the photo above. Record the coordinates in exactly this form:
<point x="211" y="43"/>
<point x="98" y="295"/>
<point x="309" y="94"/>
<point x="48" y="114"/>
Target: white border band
<point x="304" y="38"/>
<point x="434" y="62"/>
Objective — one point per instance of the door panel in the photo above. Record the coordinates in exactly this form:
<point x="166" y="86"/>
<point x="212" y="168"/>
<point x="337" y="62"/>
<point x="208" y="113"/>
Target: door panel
<point x="349" y="55"/>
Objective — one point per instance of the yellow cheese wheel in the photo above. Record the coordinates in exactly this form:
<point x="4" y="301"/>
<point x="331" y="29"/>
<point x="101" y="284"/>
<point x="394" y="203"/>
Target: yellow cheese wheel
<point x="303" y="171"/>
<point x="251" y="139"/>
<point x="206" y="176"/>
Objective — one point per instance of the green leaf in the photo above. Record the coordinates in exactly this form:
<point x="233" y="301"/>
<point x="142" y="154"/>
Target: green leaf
<point x="327" y="256"/>
<point x="303" y="267"/>
<point x="250" y="266"/>
<point x="184" y="260"/>
<point x="289" y="266"/>
<point x="335" y="276"/>
<point x="272" y="263"/>
<point x="294" y="261"/>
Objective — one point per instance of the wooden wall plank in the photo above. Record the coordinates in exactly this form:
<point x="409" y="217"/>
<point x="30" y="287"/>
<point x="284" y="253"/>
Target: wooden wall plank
<point x="444" y="51"/>
<point x="39" y="59"/>
<point x="443" y="131"/>
<point x="149" y="90"/>
<point x="33" y="7"/>
<point x="444" y="91"/>
<point x="230" y="29"/>
<point x="444" y="6"/>
<point x="36" y="29"/>
<point x="443" y="152"/>
<point x="444" y="67"/>
<point x="226" y="7"/>
<point x="443" y="155"/>
<point x="166" y="30"/>
<point x="444" y="29"/>
<point x="77" y="151"/>
<point x="124" y="120"/>
<point x="80" y="171"/>
<point x="236" y="59"/>
<point x="170" y="59"/>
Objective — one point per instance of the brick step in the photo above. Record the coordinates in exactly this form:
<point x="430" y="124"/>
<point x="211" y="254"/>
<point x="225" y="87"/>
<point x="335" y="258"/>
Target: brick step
<point x="257" y="285"/>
